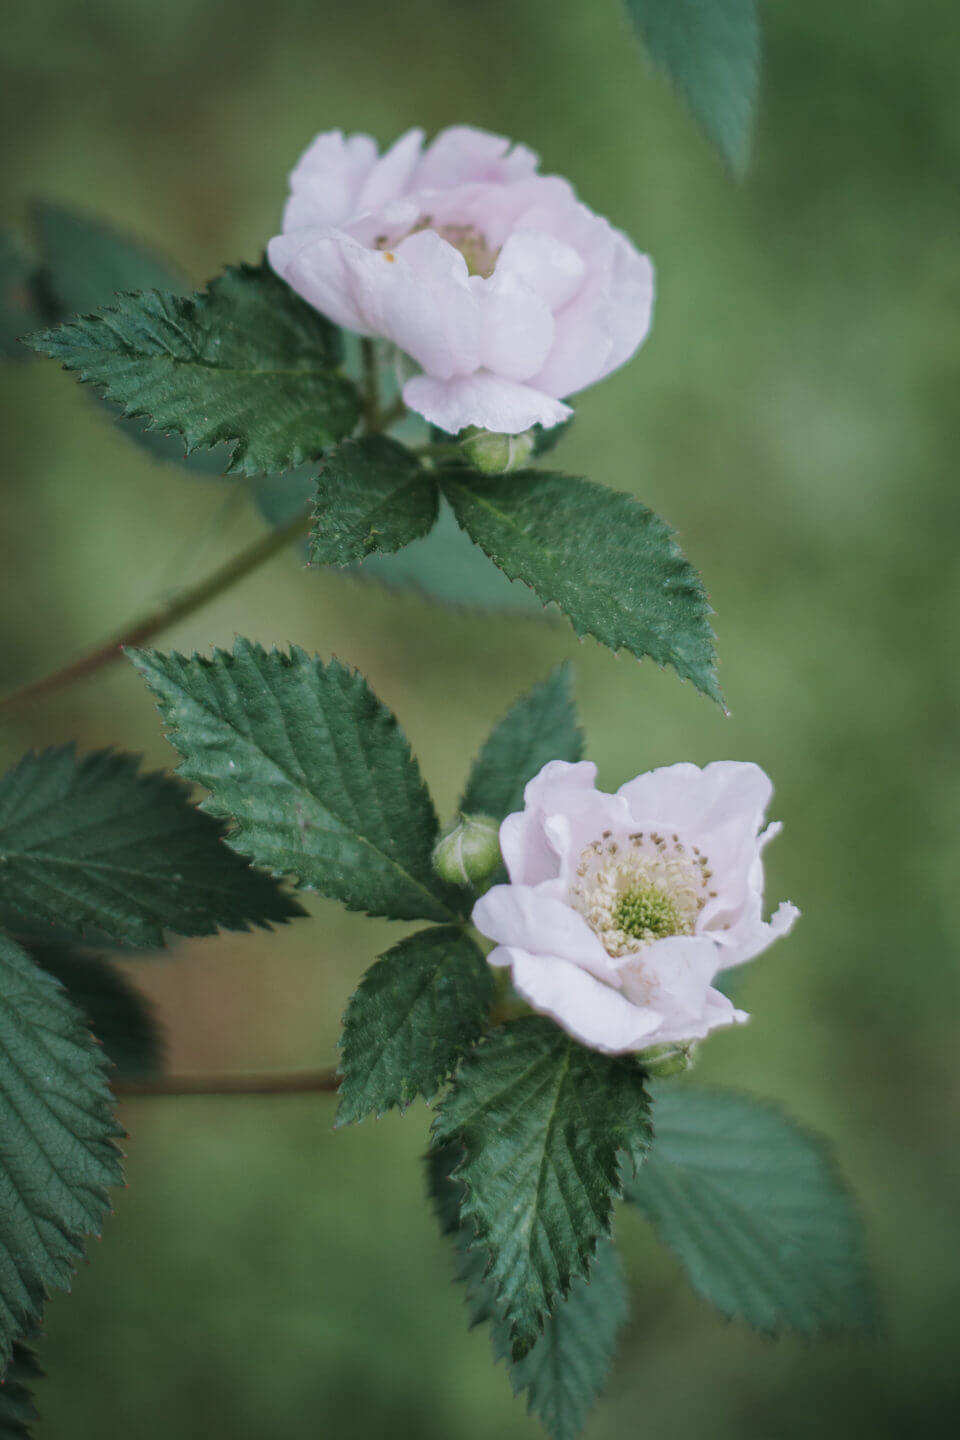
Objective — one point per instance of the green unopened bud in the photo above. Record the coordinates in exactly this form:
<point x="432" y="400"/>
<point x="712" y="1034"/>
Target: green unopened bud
<point x="661" y="1061"/>
<point x="468" y="851"/>
<point x="496" y="454"/>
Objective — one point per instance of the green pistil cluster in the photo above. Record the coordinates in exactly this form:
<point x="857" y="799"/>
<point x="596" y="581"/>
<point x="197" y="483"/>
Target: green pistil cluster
<point x="647" y="913"/>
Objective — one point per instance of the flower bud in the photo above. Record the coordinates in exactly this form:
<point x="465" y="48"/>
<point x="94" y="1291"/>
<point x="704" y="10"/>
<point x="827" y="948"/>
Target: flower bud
<point x="662" y="1061"/>
<point x="468" y="852"/>
<point x="494" y="454"/>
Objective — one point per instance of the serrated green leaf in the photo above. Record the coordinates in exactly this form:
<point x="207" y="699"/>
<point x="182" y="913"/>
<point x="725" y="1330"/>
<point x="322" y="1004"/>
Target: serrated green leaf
<point x="90" y="844"/>
<point x="567" y="1368"/>
<point x="17" y="1410"/>
<point x="57" y="1133"/>
<point x="447" y="567"/>
<point x="315" y="772"/>
<point x="372" y="495"/>
<point x="540" y="726"/>
<point x="565" y="1372"/>
<point x="611" y="565"/>
<point x="710" y="50"/>
<point x="541" y="1121"/>
<point x="246" y="362"/>
<point x="87" y="264"/>
<point x="754" y="1210"/>
<point x="119" y="1016"/>
<point x="416" y="1013"/>
<point x="20" y="307"/>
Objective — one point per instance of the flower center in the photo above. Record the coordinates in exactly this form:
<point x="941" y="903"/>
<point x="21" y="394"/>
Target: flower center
<point x="647" y="913"/>
<point x="640" y="889"/>
<point x="481" y="257"/>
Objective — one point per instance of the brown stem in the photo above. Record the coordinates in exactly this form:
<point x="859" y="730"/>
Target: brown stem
<point x="164" y="615"/>
<point x="300" y="1082"/>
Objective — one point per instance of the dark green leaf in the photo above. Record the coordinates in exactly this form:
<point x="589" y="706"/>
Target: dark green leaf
<point x="568" y="1366"/>
<point x="57" y="1132"/>
<point x="447" y="567"/>
<point x="710" y="50"/>
<point x="89" y="844"/>
<point x="754" y="1210"/>
<point x="314" y="770"/>
<point x="279" y="498"/>
<point x="20" y="305"/>
<point x="538" y="727"/>
<point x="17" y="1410"/>
<point x="607" y="561"/>
<point x="541" y="1121"/>
<point x="89" y="263"/>
<point x="119" y="1016"/>
<point x="247" y="362"/>
<point x="565" y="1372"/>
<point x="416" y="1013"/>
<point x="372" y="494"/>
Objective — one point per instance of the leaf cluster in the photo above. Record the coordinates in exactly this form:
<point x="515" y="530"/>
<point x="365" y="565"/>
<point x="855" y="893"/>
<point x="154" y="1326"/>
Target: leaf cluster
<point x="251" y="380"/>
<point x="535" y="1139"/>
<point x="93" y="853"/>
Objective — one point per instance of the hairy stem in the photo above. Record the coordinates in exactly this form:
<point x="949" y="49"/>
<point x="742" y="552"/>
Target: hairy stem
<point x="164" y="615"/>
<point x="299" y="1082"/>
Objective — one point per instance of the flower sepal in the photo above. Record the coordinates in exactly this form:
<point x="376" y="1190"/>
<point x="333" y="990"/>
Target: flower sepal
<point x="662" y="1061"/>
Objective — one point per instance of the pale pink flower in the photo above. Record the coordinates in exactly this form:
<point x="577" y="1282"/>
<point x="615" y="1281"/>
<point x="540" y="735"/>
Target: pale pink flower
<point x="505" y="290"/>
<point x="621" y="909"/>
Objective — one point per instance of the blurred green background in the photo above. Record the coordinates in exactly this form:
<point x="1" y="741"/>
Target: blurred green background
<point x="795" y="416"/>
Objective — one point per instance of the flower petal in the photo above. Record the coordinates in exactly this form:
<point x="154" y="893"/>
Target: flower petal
<point x="327" y="179"/>
<point x="672" y="976"/>
<point x="606" y="320"/>
<point x="390" y="176"/>
<point x="718" y="1013"/>
<point x="587" y="1009"/>
<point x="516" y="326"/>
<point x="748" y="941"/>
<point x="694" y="801"/>
<point x="545" y="264"/>
<point x="490" y="401"/>
<point x="314" y="264"/>
<point x="527" y="854"/>
<point x="526" y="916"/>
<point x="462" y="154"/>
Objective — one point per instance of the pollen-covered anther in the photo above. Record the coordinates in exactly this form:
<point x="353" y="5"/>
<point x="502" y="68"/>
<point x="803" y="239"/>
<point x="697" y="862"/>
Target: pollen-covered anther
<point x="632" y="894"/>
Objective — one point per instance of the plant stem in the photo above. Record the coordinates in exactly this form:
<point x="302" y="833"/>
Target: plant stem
<point x="299" y="1082"/>
<point x="371" y="385"/>
<point x="190" y="600"/>
<point x="164" y="615"/>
